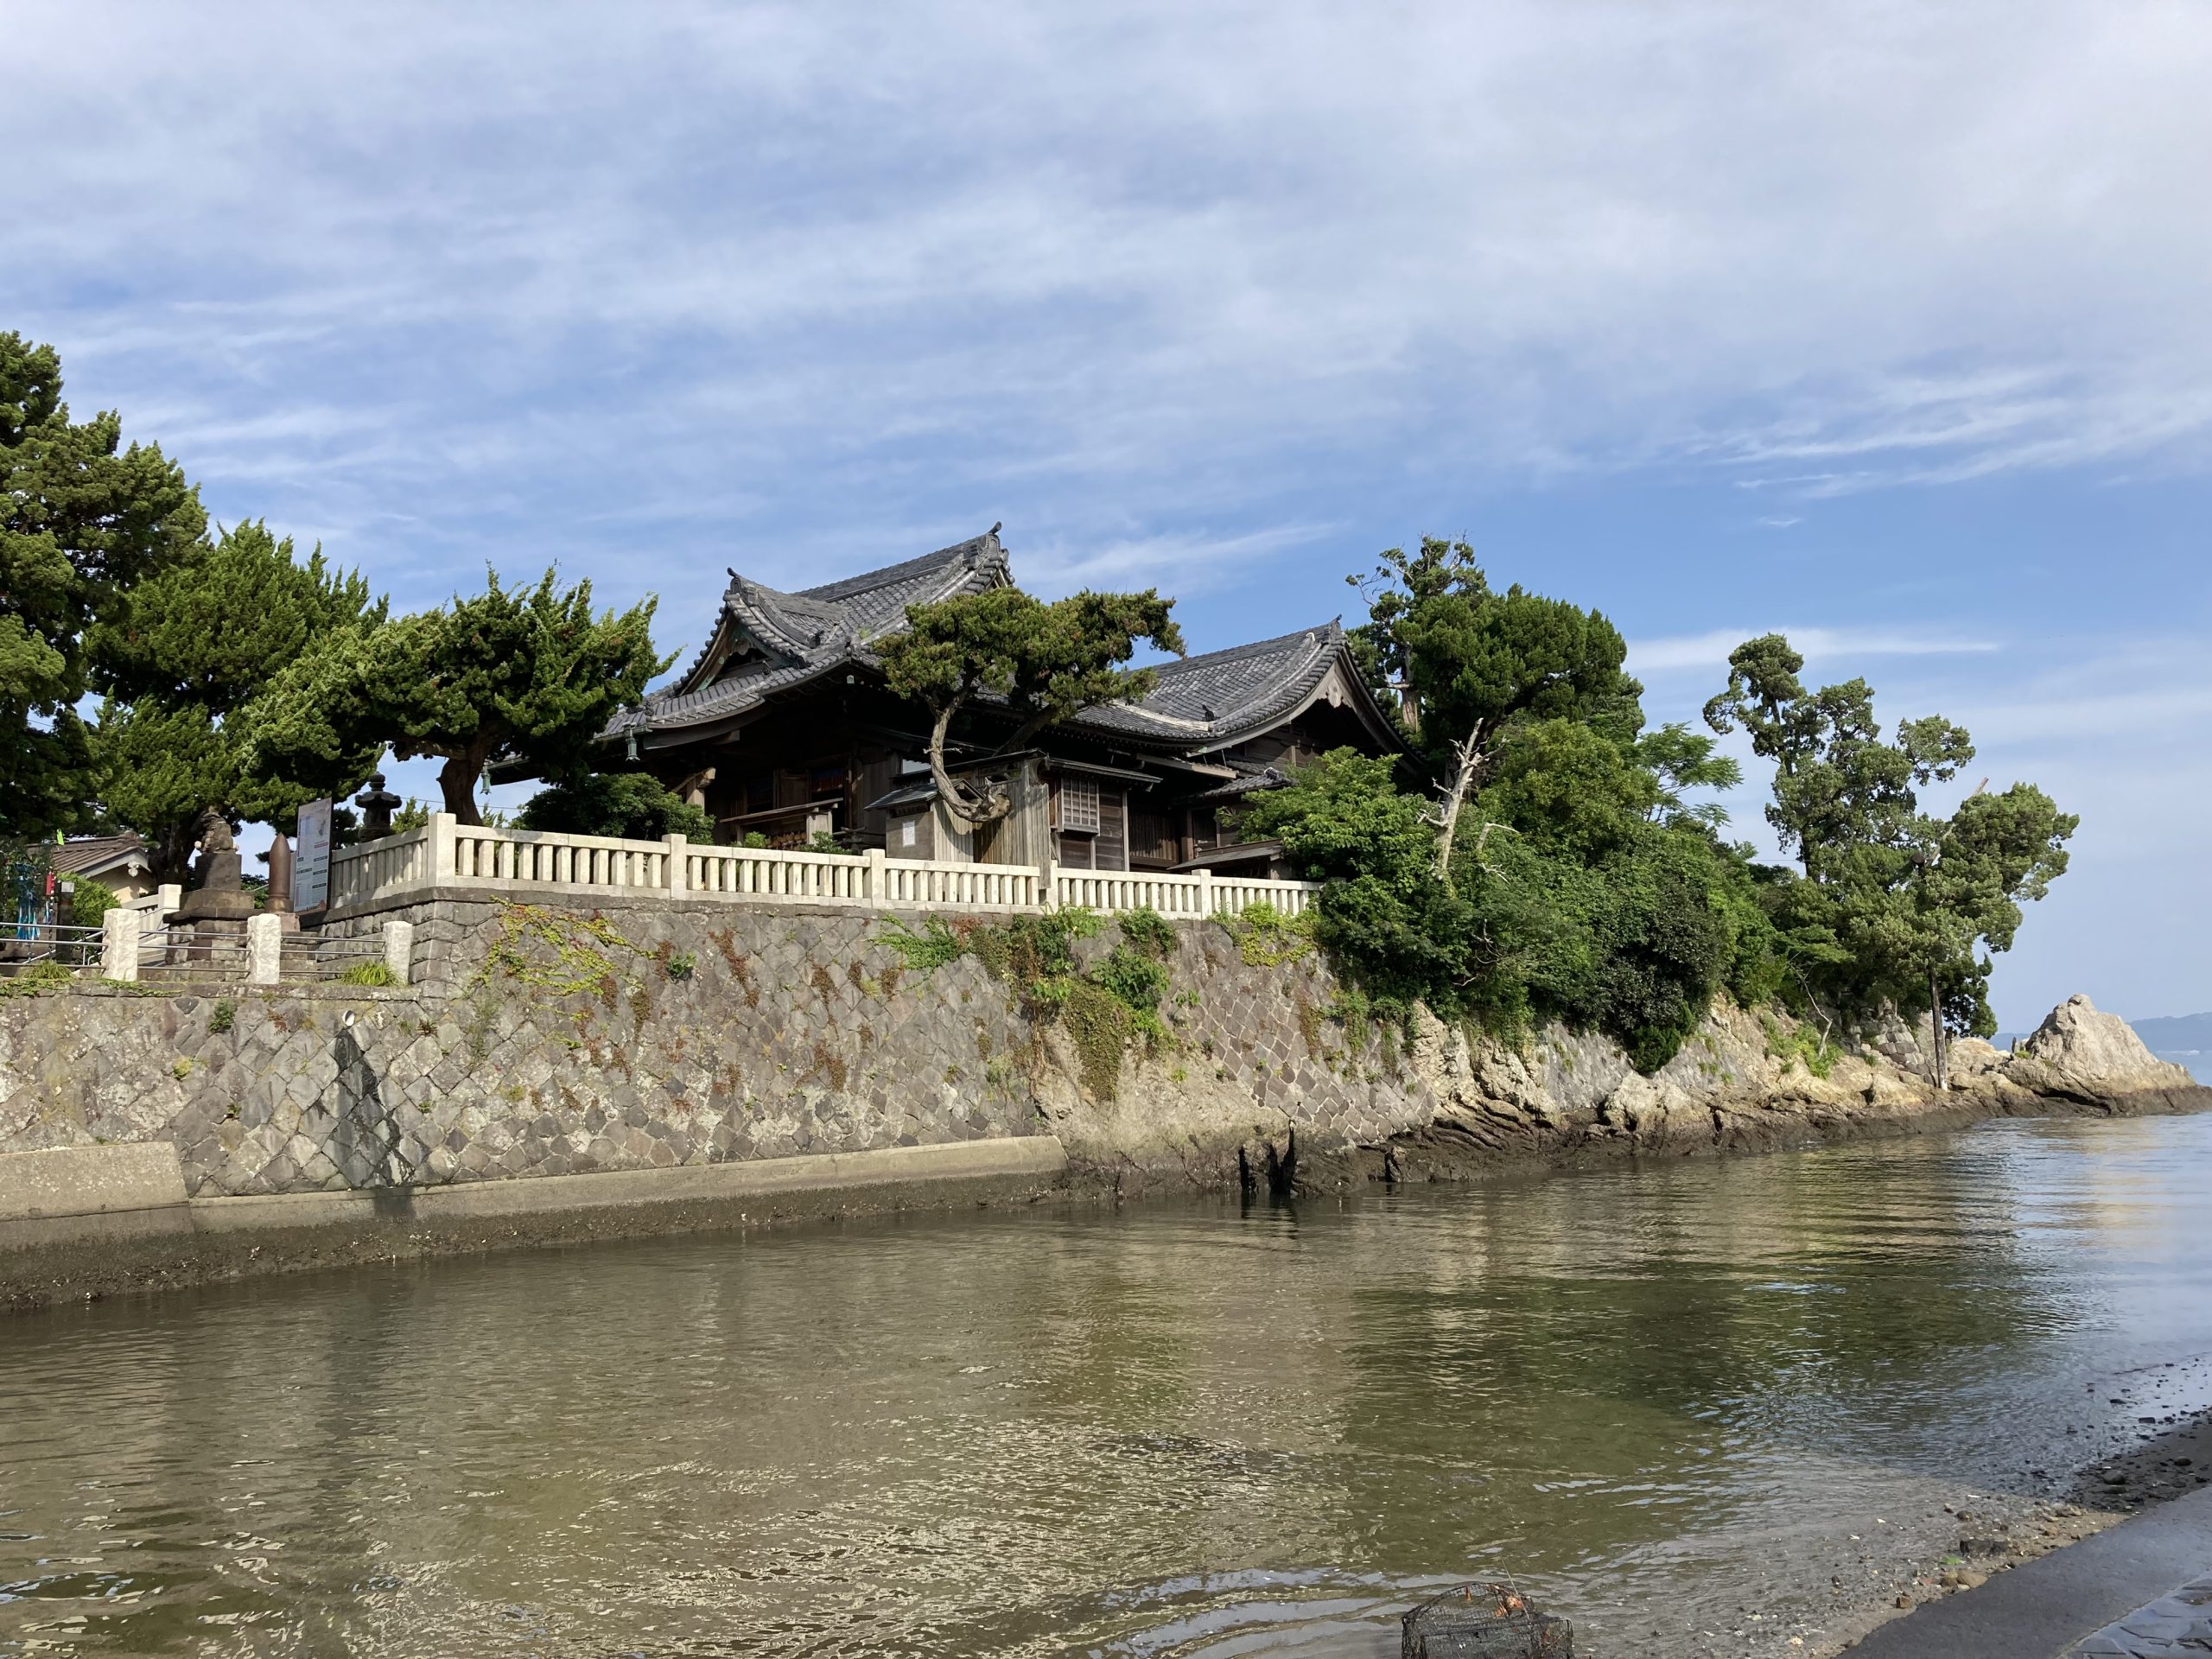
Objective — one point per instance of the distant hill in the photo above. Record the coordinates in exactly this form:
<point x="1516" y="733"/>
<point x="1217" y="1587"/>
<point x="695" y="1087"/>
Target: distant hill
<point x="2185" y="1039"/>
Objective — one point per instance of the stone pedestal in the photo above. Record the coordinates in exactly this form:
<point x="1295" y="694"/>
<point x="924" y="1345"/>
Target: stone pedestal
<point x="220" y="896"/>
<point x="218" y="908"/>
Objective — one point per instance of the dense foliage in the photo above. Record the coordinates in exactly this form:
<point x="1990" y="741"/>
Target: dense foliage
<point x="629" y="804"/>
<point x="1890" y="904"/>
<point x="1555" y="867"/>
<point x="1039" y="662"/>
<point x="1474" y="664"/>
<point x="530" y="675"/>
<point x="179" y="654"/>
<point x="81" y="519"/>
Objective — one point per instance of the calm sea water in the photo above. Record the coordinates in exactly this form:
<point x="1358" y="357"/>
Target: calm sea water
<point x="1177" y="1429"/>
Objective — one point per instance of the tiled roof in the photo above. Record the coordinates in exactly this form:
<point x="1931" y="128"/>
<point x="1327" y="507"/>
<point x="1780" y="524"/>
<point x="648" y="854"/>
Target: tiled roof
<point x="91" y="853"/>
<point x="812" y="631"/>
<point x="1198" y="704"/>
<point x="1206" y="701"/>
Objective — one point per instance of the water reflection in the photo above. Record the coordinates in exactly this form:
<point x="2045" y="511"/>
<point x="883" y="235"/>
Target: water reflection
<point x="1179" y="1429"/>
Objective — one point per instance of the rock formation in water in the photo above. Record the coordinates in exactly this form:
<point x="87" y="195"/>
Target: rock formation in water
<point x="1365" y="1106"/>
<point x="1747" y="1080"/>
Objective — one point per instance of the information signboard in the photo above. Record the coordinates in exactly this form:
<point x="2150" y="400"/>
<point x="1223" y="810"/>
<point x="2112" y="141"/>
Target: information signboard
<point x="311" y="858"/>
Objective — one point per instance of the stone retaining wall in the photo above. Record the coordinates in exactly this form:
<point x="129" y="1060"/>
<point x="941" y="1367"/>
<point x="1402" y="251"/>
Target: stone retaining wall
<point x="556" y="1039"/>
<point x="566" y="1038"/>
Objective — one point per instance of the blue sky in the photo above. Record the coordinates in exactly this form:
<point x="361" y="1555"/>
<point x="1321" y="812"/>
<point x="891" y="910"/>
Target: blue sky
<point x="1887" y="325"/>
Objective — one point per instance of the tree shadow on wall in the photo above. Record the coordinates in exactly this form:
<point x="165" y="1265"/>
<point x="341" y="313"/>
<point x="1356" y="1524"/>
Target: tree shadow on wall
<point x="366" y="1143"/>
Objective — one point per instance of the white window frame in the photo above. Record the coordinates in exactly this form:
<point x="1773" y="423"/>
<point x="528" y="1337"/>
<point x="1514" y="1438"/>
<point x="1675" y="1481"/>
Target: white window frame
<point x="1078" y="803"/>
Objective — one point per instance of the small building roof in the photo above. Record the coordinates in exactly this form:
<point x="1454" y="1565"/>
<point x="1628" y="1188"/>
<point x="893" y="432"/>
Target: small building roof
<point x="93" y="856"/>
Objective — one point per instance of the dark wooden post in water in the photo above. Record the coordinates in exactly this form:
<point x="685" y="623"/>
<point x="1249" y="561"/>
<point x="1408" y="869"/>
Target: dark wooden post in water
<point x="1935" y="1034"/>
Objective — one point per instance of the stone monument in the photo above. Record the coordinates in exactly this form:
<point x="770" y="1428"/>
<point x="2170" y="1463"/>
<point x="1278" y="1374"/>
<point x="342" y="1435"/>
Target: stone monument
<point x="376" y="804"/>
<point x="280" y="876"/>
<point x="221" y="897"/>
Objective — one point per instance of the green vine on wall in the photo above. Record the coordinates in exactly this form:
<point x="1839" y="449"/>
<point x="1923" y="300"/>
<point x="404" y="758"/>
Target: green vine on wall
<point x="583" y="951"/>
<point x="1103" y="1008"/>
<point x="39" y="977"/>
<point x="1266" y="938"/>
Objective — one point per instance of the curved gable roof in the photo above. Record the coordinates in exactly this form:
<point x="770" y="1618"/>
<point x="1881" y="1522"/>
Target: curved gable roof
<point x="1199" y="704"/>
<point x="810" y="631"/>
<point x="1222" y="697"/>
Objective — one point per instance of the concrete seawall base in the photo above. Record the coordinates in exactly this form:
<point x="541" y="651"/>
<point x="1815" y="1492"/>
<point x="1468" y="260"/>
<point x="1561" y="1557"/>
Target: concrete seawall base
<point x="116" y="1218"/>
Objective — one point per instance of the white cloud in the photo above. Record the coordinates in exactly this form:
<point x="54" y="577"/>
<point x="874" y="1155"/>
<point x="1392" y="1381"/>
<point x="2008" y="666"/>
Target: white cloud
<point x="1823" y="248"/>
<point x="1709" y="649"/>
<point x="1183" y="564"/>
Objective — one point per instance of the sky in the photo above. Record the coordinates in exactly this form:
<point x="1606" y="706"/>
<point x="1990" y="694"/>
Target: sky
<point x="1882" y="325"/>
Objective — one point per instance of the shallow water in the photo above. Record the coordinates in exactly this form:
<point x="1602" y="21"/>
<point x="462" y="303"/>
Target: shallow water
<point x="1189" y="1429"/>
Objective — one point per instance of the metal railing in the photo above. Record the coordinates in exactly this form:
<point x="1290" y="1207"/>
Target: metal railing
<point x="260" y="953"/>
<point x="446" y="855"/>
<point x="315" y="958"/>
<point x="28" y="944"/>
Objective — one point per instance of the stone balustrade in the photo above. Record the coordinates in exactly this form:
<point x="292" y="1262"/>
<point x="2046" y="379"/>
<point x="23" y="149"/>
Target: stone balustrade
<point x="446" y="857"/>
<point x="131" y="946"/>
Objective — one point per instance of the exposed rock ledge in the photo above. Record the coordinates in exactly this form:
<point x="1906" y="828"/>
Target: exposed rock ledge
<point x="1736" y="1086"/>
<point x="1728" y="1090"/>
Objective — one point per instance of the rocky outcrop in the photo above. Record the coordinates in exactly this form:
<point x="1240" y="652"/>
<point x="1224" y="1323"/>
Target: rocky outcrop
<point x="2083" y="1054"/>
<point x="1744" y="1081"/>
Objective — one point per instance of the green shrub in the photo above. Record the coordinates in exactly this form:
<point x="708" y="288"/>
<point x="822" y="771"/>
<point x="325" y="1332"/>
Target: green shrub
<point x="221" y="1016"/>
<point x="92" y="902"/>
<point x="631" y="806"/>
<point x="1574" y="895"/>
<point x="1266" y="938"/>
<point x="1135" y="979"/>
<point x="1147" y="930"/>
<point x="925" y="951"/>
<point x="39" y="977"/>
<point x="375" y="972"/>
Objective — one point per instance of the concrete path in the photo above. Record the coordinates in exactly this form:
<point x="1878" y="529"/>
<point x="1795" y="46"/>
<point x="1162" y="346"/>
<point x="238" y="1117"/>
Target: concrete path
<point x="2142" y="1590"/>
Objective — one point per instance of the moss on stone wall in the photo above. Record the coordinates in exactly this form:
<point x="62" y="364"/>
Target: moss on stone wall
<point x="1104" y="1008"/>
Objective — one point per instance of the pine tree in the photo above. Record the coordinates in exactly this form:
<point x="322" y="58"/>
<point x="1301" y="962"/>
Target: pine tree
<point x="528" y="675"/>
<point x="181" y="653"/>
<point x="82" y="520"/>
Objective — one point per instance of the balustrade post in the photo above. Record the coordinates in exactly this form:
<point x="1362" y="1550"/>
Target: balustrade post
<point x="399" y="951"/>
<point x="264" y="949"/>
<point x="878" y="888"/>
<point x="679" y="864"/>
<point x="169" y="898"/>
<point x="1048" y="896"/>
<point x="119" y="945"/>
<point x="1205" y="892"/>
<point x="444" y="860"/>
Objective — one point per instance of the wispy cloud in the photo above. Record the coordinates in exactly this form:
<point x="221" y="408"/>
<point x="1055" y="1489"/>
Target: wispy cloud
<point x="1195" y="257"/>
<point x="1708" y="650"/>
<point x="1184" y="564"/>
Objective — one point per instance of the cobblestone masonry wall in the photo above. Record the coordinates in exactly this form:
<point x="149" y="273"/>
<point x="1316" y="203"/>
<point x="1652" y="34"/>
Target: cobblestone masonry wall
<point x="556" y="1041"/>
<point x="542" y="1041"/>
